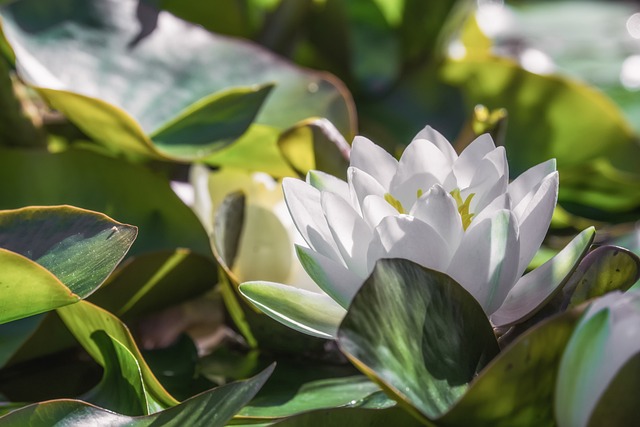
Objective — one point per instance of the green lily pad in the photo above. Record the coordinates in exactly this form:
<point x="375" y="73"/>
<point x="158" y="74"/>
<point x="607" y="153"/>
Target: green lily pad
<point x="419" y="334"/>
<point x="211" y="409"/>
<point x="352" y="417"/>
<point x="517" y="388"/>
<point x="54" y="256"/>
<point x="107" y="185"/>
<point x="176" y="74"/>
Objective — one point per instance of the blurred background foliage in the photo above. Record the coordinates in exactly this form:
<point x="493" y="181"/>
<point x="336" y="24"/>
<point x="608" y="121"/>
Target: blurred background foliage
<point x="103" y="103"/>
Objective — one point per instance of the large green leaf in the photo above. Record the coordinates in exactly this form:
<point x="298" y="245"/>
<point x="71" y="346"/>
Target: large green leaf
<point x="116" y="188"/>
<point x="516" y="389"/>
<point x="419" y="334"/>
<point x="85" y="319"/>
<point x="81" y="248"/>
<point x="172" y="68"/>
<point x="211" y="409"/>
<point x="54" y="256"/>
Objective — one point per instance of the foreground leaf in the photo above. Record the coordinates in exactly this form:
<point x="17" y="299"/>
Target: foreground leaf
<point x="351" y="417"/>
<point x="54" y="256"/>
<point x="213" y="408"/>
<point x="85" y="319"/>
<point x="419" y="334"/>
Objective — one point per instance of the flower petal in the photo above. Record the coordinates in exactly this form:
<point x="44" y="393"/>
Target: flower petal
<point x="303" y="202"/>
<point x="307" y="312"/>
<point x="436" y="138"/>
<point x="374" y="160"/>
<point x="332" y="277"/>
<point x="407" y="237"/>
<point x="420" y="157"/>
<point x="535" y="218"/>
<point x="375" y="209"/>
<point x="530" y="179"/>
<point x="487" y="259"/>
<point x="327" y="182"/>
<point x="468" y="160"/>
<point x="350" y="232"/>
<point x="533" y="289"/>
<point x="489" y="181"/>
<point x="438" y="209"/>
<point x="361" y="185"/>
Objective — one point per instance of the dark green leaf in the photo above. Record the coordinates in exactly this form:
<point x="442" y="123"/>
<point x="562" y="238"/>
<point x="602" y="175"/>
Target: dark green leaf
<point x="419" y="334"/>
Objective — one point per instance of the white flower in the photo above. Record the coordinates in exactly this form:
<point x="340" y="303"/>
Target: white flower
<point x="605" y="340"/>
<point x="455" y="214"/>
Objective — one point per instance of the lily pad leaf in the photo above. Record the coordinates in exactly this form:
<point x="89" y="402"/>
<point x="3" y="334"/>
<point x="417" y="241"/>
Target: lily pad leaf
<point x="211" y="123"/>
<point x="516" y="389"/>
<point x="536" y="288"/>
<point x="419" y="334"/>
<point x="305" y="311"/>
<point x="213" y="408"/>
<point x="173" y="70"/>
<point x="54" y="256"/>
<point x="351" y="417"/>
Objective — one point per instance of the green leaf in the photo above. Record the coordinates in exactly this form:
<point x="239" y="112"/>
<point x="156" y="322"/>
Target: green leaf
<point x="517" y="388"/>
<point x="351" y="417"/>
<point x="84" y="319"/>
<point x="81" y="248"/>
<point x="211" y="123"/>
<point x="211" y="409"/>
<point x="153" y="281"/>
<point x="171" y="67"/>
<point x="122" y="386"/>
<point x="54" y="256"/>
<point x="13" y="336"/>
<point x="539" y="286"/>
<point x="419" y="334"/>
<point x="314" y="314"/>
<point x="605" y="269"/>
<point x="90" y="181"/>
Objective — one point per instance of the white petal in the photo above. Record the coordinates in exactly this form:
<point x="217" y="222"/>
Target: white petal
<point x="409" y="238"/>
<point x="438" y="209"/>
<point x="375" y="209"/>
<point x="303" y="202"/>
<point x="534" y="289"/>
<point x="535" y="219"/>
<point x="350" y="232"/>
<point x="530" y="179"/>
<point x="487" y="259"/>
<point x="407" y="192"/>
<point x="436" y="138"/>
<point x="304" y="311"/>
<point x="503" y="201"/>
<point x="361" y="185"/>
<point x="489" y="181"/>
<point x="374" y="160"/>
<point x="332" y="277"/>
<point x="327" y="182"/>
<point x="421" y="157"/>
<point x="465" y="166"/>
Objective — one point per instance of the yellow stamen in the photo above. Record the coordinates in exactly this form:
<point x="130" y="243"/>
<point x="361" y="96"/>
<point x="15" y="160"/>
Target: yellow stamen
<point x="463" y="207"/>
<point x="394" y="202"/>
<point x="419" y="193"/>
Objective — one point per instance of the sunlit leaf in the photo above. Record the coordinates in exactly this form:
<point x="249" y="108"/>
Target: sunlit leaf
<point x="419" y="334"/>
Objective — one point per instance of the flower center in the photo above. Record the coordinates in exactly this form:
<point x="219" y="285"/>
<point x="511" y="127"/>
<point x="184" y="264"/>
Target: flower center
<point x="395" y="203"/>
<point x="463" y="207"/>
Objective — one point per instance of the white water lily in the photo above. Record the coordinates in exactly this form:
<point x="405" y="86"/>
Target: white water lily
<point x="455" y="214"/>
<point x="605" y="340"/>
